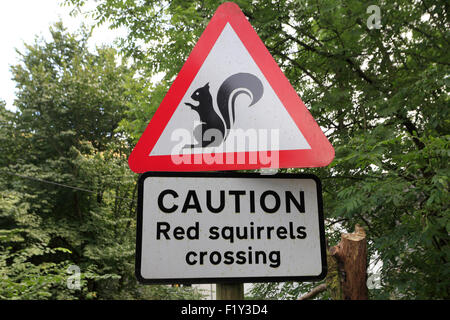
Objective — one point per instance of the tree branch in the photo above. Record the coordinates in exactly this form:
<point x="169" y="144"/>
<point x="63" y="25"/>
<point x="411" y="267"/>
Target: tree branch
<point x="314" y="292"/>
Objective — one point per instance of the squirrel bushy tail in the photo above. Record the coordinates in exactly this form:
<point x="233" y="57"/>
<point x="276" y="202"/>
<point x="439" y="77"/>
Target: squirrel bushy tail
<point x="231" y="88"/>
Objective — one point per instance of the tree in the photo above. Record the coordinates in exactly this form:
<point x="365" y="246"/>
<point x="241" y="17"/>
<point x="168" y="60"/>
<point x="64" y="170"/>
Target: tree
<point x="381" y="95"/>
<point x="67" y="195"/>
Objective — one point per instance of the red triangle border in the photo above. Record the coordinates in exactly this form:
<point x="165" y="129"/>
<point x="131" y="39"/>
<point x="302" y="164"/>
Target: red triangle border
<point x="321" y="152"/>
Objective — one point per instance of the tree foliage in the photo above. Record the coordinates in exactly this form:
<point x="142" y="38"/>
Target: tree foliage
<point x="67" y="195"/>
<point x="380" y="94"/>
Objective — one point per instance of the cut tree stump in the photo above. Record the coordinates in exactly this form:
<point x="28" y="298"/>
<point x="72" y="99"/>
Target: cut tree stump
<point x="351" y="257"/>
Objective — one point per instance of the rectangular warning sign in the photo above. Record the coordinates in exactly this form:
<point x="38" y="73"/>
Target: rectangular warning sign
<point x="219" y="227"/>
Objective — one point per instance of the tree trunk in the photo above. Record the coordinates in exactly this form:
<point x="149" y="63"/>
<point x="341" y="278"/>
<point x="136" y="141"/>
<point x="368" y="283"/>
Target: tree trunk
<point x="333" y="279"/>
<point x="230" y="291"/>
<point x="351" y="257"/>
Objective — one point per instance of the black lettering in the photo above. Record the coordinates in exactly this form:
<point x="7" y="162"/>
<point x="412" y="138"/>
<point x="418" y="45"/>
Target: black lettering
<point x="202" y="256"/>
<point x="274" y="257"/>
<point x="291" y="230"/>
<point x="240" y="257"/>
<point x="178" y="233"/>
<point x="259" y="230"/>
<point x="244" y="233"/>
<point x="193" y="232"/>
<point x="228" y="257"/>
<point x="189" y="261"/>
<point x="262" y="254"/>
<point x="217" y="260"/>
<point x="300" y="205"/>
<point x="209" y="204"/>
<point x="262" y="201"/>
<point x="187" y="203"/>
<point x="281" y="232"/>
<point x="252" y="201"/>
<point x="237" y="199"/>
<point x="160" y="230"/>
<point x="161" y="202"/>
<point x="269" y="232"/>
<point x="301" y="232"/>
<point x="214" y="233"/>
<point x="228" y="234"/>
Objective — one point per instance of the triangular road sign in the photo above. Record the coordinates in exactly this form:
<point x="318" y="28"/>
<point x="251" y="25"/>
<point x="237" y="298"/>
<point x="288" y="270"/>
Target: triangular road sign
<point x="230" y="108"/>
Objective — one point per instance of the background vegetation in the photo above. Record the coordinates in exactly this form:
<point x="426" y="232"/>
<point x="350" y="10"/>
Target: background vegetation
<point x="381" y="96"/>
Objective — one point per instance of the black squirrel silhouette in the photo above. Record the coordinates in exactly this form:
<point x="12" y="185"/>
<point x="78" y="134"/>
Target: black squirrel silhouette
<point x="229" y="90"/>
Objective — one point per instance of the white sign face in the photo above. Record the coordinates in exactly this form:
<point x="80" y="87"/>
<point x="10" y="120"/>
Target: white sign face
<point x="203" y="228"/>
<point x="229" y="57"/>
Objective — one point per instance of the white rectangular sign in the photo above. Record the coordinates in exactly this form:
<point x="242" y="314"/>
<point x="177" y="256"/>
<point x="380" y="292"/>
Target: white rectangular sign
<point x="218" y="227"/>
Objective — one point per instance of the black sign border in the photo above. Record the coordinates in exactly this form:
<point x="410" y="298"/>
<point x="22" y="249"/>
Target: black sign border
<point x="138" y="256"/>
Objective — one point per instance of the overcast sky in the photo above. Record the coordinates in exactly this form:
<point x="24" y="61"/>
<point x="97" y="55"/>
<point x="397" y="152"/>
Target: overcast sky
<point x="21" y="21"/>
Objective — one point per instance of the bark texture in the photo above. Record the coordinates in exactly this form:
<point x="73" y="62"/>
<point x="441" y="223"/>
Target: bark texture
<point x="351" y="257"/>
